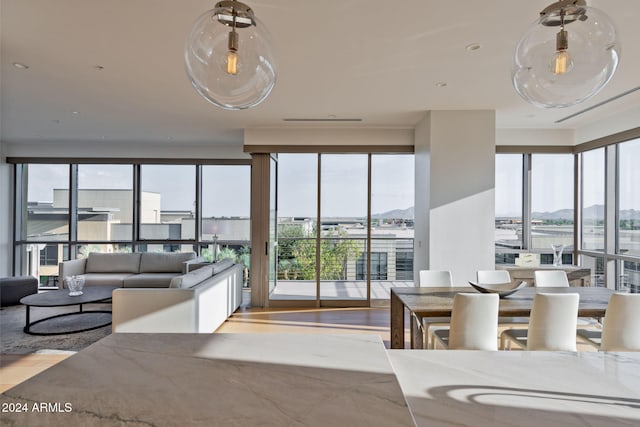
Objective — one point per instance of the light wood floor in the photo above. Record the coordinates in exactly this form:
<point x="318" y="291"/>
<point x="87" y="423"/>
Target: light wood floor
<point x="17" y="368"/>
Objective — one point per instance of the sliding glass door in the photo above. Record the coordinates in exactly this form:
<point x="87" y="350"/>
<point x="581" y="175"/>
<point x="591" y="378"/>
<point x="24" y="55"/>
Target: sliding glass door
<point x="332" y="249"/>
<point x="343" y="230"/>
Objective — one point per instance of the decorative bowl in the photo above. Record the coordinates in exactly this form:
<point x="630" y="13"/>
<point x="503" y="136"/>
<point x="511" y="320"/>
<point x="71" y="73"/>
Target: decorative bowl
<point x="75" y="285"/>
<point x="502" y="289"/>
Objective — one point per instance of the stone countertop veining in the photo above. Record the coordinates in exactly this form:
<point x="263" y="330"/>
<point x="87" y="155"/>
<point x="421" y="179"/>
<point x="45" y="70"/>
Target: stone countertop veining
<point x="520" y="388"/>
<point x="215" y="379"/>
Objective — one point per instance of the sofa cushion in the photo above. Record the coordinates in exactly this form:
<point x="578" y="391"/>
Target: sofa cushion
<point x="222" y="265"/>
<point x="109" y="279"/>
<point x="191" y="279"/>
<point x="152" y="262"/>
<point x="112" y="263"/>
<point x="149" y="280"/>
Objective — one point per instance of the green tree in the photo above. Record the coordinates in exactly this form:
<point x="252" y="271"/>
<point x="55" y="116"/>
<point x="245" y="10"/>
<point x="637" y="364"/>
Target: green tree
<point x="334" y="255"/>
<point x="225" y="253"/>
<point x="297" y="257"/>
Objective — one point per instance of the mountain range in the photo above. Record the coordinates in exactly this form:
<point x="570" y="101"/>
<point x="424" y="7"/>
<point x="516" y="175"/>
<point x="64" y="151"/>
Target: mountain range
<point x="594" y="211"/>
<point x="396" y="213"/>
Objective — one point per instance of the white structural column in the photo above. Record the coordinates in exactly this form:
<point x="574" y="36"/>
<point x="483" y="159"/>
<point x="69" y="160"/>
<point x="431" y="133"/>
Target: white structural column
<point x="455" y="200"/>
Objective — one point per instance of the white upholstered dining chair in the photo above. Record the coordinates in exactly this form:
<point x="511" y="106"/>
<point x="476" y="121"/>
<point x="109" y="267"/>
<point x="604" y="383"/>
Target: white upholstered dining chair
<point x="552" y="325"/>
<point x="551" y="278"/>
<point x="497" y="277"/>
<point x="474" y="323"/>
<point x="432" y="279"/>
<point x="559" y="279"/>
<point x="621" y="325"/>
<point x="493" y="277"/>
<point x="435" y="278"/>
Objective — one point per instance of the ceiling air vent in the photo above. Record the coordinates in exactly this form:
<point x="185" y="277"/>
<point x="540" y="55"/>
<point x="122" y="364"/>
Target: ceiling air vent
<point x="330" y="119"/>
<point x="599" y="104"/>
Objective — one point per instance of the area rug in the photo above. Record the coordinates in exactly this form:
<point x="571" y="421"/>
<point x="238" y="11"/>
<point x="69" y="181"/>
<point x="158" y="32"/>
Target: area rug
<point x="14" y="341"/>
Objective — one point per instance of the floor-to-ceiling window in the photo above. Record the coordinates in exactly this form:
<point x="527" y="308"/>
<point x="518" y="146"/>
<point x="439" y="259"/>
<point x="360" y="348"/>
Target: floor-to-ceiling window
<point x="628" y="215"/>
<point x="225" y="227"/>
<point x="593" y="204"/>
<point x="105" y="208"/>
<point x="167" y="205"/>
<point x="297" y="193"/>
<point x="345" y="226"/>
<point x="552" y="213"/>
<point x="606" y="187"/>
<point x="67" y="210"/>
<point x="610" y="243"/>
<point x="534" y="206"/>
<point x="392" y="220"/>
<point x="508" y="207"/>
<point x="343" y="219"/>
<point x="44" y="218"/>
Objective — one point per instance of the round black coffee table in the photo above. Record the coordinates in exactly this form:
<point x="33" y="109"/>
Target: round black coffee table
<point x="61" y="298"/>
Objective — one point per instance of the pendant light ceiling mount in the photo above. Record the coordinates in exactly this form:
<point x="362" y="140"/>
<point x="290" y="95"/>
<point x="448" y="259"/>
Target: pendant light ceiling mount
<point x="230" y="10"/>
<point x="563" y="12"/>
<point x="562" y="68"/>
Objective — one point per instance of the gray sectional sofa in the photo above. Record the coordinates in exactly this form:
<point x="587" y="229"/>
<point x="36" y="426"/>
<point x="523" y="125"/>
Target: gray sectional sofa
<point x="196" y="302"/>
<point x="130" y="270"/>
<point x="163" y="292"/>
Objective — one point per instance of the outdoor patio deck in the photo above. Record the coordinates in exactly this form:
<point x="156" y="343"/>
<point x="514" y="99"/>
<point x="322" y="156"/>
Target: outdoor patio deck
<point x="335" y="290"/>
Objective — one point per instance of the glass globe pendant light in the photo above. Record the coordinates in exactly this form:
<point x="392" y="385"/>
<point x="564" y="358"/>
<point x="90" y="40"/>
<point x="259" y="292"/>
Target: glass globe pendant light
<point x="566" y="56"/>
<point x="229" y="57"/>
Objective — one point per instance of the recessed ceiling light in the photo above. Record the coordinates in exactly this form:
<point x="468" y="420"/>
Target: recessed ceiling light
<point x="98" y="67"/>
<point x="21" y="65"/>
<point x="441" y="84"/>
<point x="473" y="46"/>
<point x="75" y="113"/>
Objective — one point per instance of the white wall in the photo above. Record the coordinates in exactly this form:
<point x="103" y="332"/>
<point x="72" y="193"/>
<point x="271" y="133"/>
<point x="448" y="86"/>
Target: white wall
<point x="605" y="126"/>
<point x="6" y="209"/>
<point x="328" y="136"/>
<point x="168" y="150"/>
<point x="534" y="137"/>
<point x="457" y="150"/>
<point x="609" y="126"/>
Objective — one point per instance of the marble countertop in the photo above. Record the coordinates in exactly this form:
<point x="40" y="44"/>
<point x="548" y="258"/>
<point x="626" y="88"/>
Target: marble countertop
<point x="322" y="380"/>
<point x="215" y="379"/>
<point x="519" y="388"/>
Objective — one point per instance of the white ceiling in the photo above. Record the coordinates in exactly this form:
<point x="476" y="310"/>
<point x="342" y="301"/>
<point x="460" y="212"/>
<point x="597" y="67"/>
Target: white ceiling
<point x="379" y="61"/>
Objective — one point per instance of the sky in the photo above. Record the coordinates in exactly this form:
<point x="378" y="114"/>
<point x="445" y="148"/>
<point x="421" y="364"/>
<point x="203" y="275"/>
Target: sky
<point x="226" y="188"/>
<point x="552" y="178"/>
<point x="344" y="183"/>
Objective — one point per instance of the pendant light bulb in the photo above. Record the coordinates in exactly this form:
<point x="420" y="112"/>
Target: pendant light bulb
<point x="232" y="53"/>
<point x="232" y="63"/>
<point x="562" y="62"/>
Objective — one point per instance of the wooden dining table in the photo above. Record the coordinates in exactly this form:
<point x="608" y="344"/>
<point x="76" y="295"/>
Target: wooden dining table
<point x="437" y="302"/>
